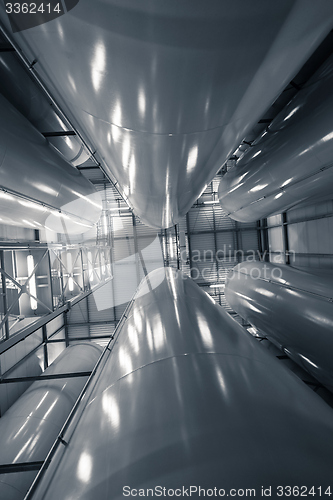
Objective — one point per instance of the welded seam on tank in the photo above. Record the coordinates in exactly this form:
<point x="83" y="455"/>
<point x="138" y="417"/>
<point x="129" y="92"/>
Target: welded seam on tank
<point x="179" y="356"/>
<point x="9" y="484"/>
<point x="280" y="190"/>
<point x="127" y="129"/>
<point x="288" y="287"/>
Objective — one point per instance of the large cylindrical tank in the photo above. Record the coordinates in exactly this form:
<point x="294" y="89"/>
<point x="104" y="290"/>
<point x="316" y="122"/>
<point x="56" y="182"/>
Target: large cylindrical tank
<point x="292" y="162"/>
<point x="293" y="308"/>
<point x="165" y="92"/>
<point x="187" y="397"/>
<point x="29" y="428"/>
<point x="38" y="187"/>
<point x="20" y="89"/>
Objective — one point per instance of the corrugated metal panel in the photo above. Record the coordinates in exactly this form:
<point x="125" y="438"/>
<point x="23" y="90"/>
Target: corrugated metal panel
<point x="246" y="225"/>
<point x="125" y="283"/>
<point x="143" y="230"/>
<point x="78" y="331"/>
<point x="222" y="221"/>
<point x="225" y="304"/>
<point x="93" y="174"/>
<point x="182" y="225"/>
<point x="110" y="194"/>
<point x="201" y="219"/>
<point x="122" y="226"/>
<point x="225" y="242"/>
<point x="317" y="210"/>
<point x="204" y="271"/>
<point x="123" y="249"/>
<point x="224" y="269"/>
<point x="216" y="182"/>
<point x="120" y="310"/>
<point x="98" y="330"/>
<point x="201" y="242"/>
<point x="151" y="252"/>
<point x="241" y="321"/>
<point x="249" y="240"/>
<point x="78" y="313"/>
<point x="101" y="303"/>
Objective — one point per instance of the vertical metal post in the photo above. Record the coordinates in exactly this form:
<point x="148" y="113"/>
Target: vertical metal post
<point x="46" y="358"/>
<point x="50" y="278"/>
<point x="66" y="329"/>
<point x="189" y="242"/>
<point x="166" y="246"/>
<point x="285" y="237"/>
<point x="177" y="246"/>
<point x="136" y="249"/>
<point x="62" y="281"/>
<point x="88" y="315"/>
<point x="215" y="253"/>
<point x="237" y="242"/>
<point x="259" y="239"/>
<point x="112" y="265"/>
<point x="264" y="250"/>
<point x="82" y="268"/>
<point x="4" y="293"/>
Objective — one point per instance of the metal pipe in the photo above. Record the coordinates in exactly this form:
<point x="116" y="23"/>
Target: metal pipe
<point x="292" y="162"/>
<point x="167" y="94"/>
<point x="293" y="308"/>
<point x="29" y="427"/>
<point x="17" y="86"/>
<point x="30" y="67"/>
<point x="187" y="397"/>
<point x="37" y="186"/>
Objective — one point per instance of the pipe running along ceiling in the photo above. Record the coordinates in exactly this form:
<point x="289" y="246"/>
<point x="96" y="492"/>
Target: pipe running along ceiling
<point x="166" y="92"/>
<point x="38" y="187"/>
<point x="291" y="162"/>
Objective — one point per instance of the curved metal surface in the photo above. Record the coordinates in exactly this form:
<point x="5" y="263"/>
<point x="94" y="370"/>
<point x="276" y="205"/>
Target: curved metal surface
<point x="17" y="86"/>
<point x="10" y="393"/>
<point x="293" y="308"/>
<point x="166" y="92"/>
<point x="37" y="187"/>
<point x="292" y="162"/>
<point x="29" y="427"/>
<point x="187" y="397"/>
